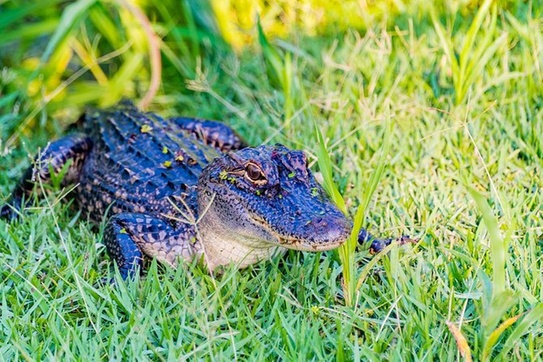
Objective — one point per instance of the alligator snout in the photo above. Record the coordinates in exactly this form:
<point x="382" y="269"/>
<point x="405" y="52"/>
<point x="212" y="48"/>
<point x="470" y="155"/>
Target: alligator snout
<point x="319" y="233"/>
<point x="328" y="231"/>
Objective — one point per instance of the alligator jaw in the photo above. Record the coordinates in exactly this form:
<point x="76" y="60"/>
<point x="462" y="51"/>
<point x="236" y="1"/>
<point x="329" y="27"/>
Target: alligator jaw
<point x="222" y="245"/>
<point x="243" y="240"/>
<point x="335" y="237"/>
<point x="295" y="244"/>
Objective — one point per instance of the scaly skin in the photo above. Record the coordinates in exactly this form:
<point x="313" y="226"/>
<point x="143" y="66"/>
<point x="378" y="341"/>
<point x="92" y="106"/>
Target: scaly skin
<point x="185" y="188"/>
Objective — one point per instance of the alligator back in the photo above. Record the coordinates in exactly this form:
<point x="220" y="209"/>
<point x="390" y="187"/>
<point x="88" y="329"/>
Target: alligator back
<point x="138" y="163"/>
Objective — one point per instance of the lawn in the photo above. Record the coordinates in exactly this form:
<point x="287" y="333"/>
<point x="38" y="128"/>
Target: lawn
<point x="421" y="120"/>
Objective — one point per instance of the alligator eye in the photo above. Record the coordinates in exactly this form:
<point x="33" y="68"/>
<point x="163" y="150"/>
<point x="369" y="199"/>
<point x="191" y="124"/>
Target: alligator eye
<point x="254" y="173"/>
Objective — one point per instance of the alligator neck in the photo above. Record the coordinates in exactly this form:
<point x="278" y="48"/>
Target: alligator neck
<point x="223" y="244"/>
<point x="222" y="247"/>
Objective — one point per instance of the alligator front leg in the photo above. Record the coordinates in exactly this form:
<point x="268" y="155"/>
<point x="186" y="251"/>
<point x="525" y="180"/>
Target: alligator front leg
<point x="131" y="236"/>
<point x="377" y="245"/>
<point x="212" y="133"/>
<point x="66" y="153"/>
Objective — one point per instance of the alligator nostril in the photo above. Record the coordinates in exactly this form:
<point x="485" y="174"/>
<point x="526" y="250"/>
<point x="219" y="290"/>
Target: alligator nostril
<point x="325" y="221"/>
<point x="320" y="223"/>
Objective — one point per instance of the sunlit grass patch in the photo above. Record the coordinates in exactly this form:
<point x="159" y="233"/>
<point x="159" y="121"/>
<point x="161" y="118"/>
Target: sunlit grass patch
<point x="403" y="139"/>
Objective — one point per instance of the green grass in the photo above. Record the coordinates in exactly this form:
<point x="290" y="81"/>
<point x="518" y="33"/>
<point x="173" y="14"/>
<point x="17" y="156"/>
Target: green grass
<point x="429" y="124"/>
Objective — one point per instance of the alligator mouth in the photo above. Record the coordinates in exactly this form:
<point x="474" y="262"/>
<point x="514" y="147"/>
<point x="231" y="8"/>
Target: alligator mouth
<point x="296" y="244"/>
<point x="302" y="244"/>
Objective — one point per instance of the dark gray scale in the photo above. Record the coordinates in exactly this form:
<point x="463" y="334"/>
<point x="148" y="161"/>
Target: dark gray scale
<point x="140" y="165"/>
<point x="212" y="133"/>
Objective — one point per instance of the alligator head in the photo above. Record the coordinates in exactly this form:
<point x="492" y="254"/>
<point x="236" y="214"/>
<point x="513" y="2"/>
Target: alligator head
<point x="259" y="201"/>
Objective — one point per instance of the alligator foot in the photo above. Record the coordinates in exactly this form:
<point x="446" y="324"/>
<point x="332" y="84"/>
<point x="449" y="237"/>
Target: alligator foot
<point x="130" y="236"/>
<point x="216" y="134"/>
<point x="66" y="154"/>
<point x="121" y="247"/>
<point x="378" y="245"/>
<point x="10" y="211"/>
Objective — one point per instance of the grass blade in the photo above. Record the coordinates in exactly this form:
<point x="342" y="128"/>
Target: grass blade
<point x="497" y="309"/>
<point x="498" y="245"/>
<point x="8" y="17"/>
<point x="467" y="48"/>
<point x="325" y="166"/>
<point x="272" y="59"/>
<point x="29" y="31"/>
<point x="371" y="185"/>
<point x="461" y="341"/>
<point x="71" y="16"/>
<point x="345" y="256"/>
<point x="123" y="75"/>
<point x="536" y="314"/>
<point x="493" y="337"/>
<point x="373" y="262"/>
<point x="446" y="43"/>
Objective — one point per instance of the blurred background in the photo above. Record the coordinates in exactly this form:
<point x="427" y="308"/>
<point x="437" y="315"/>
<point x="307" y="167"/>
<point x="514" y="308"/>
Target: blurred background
<point x="63" y="54"/>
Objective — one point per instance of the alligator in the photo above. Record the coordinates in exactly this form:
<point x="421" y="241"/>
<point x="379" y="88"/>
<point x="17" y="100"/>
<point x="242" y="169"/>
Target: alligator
<point x="185" y="188"/>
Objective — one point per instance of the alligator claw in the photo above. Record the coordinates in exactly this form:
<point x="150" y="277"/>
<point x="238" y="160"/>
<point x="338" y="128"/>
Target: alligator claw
<point x="125" y="276"/>
<point x="378" y="245"/>
<point x="9" y="212"/>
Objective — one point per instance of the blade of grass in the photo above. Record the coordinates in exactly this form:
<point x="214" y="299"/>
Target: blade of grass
<point x="272" y="59"/>
<point x="121" y="78"/>
<point x="446" y="43"/>
<point x="493" y="337"/>
<point x="325" y="166"/>
<point x="467" y="48"/>
<point x="29" y="31"/>
<point x="473" y="56"/>
<point x="8" y="17"/>
<point x="536" y="314"/>
<point x="497" y="309"/>
<point x="154" y="52"/>
<point x="498" y="245"/>
<point x="461" y="341"/>
<point x="371" y="185"/>
<point x="373" y="262"/>
<point x="369" y="190"/>
<point x="72" y="15"/>
<point x="347" y="250"/>
<point x="101" y="20"/>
